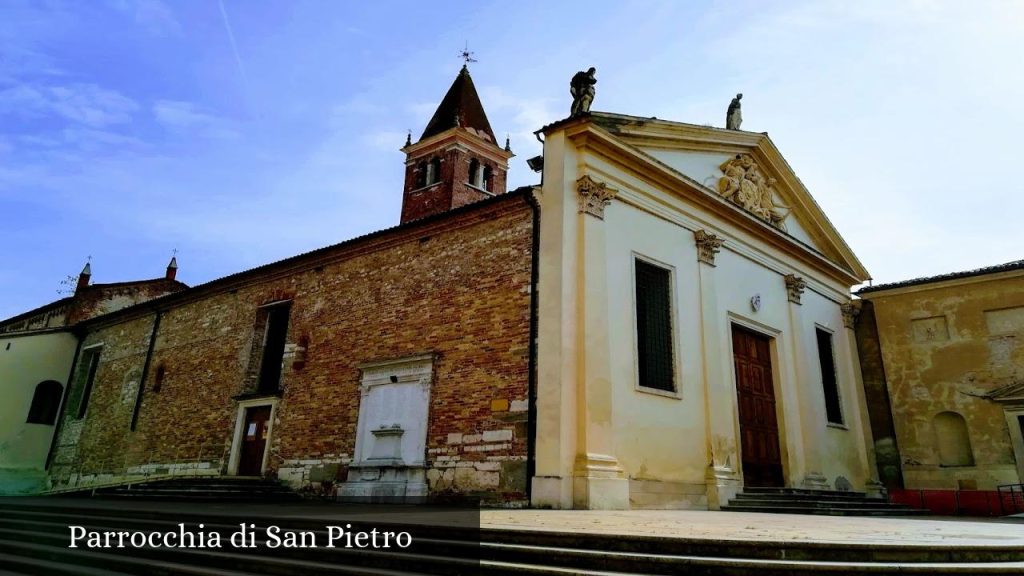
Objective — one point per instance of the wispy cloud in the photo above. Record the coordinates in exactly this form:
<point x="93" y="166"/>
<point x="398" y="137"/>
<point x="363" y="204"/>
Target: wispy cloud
<point x="186" y="117"/>
<point x="87" y="104"/>
<point x="154" y="16"/>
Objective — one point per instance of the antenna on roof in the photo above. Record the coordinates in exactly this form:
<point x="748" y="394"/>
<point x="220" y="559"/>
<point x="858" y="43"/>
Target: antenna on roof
<point x="466" y="55"/>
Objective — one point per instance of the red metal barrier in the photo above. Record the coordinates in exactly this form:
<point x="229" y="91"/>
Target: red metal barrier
<point x="960" y="502"/>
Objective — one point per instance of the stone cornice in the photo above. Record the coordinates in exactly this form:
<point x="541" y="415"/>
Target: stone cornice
<point x="456" y="137"/>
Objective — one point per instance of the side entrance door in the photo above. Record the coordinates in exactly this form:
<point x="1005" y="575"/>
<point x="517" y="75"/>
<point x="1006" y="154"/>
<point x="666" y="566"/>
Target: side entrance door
<point x="759" y="429"/>
<point x="254" y="441"/>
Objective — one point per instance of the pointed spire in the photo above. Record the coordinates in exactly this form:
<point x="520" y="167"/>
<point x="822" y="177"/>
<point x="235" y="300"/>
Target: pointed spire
<point x="461" y="107"/>
<point x="172" y="266"/>
<point x="408" y="138"/>
<point x="85" y="275"/>
<point x="508" y="145"/>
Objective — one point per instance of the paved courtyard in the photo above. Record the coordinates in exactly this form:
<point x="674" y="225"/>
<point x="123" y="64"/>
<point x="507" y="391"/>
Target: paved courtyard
<point x="704" y="524"/>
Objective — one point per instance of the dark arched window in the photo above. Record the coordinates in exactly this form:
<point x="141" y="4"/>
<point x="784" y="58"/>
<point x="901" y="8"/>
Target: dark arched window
<point x="487" y="181"/>
<point x="45" y="403"/>
<point x="475" y="174"/>
<point x="421" y="175"/>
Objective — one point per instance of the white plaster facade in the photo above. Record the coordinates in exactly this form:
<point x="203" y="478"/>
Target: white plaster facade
<point x="604" y="442"/>
<point x="26" y="360"/>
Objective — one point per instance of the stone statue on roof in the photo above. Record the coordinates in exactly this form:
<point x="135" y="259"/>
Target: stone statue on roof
<point x="582" y="89"/>
<point x="733" y="117"/>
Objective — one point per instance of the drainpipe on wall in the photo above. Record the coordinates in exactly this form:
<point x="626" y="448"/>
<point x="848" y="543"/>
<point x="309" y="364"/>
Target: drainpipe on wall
<point x="145" y="371"/>
<point x="531" y="414"/>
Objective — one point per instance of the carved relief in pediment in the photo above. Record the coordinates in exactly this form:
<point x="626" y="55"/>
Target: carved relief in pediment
<point x="744" y="183"/>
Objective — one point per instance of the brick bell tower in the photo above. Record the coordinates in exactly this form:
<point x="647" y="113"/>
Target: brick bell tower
<point x="457" y="160"/>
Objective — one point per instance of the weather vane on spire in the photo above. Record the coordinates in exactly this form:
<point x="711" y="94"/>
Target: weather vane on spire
<point x="466" y="55"/>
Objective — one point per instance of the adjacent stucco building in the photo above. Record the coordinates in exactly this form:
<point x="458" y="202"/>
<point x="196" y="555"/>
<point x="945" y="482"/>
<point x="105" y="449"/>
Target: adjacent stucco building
<point x="953" y="372"/>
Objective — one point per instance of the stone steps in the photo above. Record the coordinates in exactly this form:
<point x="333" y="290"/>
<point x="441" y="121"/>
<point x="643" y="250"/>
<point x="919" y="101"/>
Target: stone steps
<point x="206" y="489"/>
<point x="34" y="539"/>
<point x="823" y="502"/>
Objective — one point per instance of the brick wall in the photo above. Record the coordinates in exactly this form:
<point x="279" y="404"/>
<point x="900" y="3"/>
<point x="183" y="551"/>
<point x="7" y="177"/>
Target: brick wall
<point x="458" y="286"/>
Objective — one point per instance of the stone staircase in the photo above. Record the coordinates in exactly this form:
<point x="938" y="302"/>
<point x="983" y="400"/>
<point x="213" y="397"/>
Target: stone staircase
<point x="826" y="502"/>
<point x="209" y="489"/>
<point x="34" y="538"/>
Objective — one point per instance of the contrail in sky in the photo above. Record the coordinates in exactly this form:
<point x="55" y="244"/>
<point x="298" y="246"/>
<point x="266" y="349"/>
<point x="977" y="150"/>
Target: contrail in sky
<point x="234" y="45"/>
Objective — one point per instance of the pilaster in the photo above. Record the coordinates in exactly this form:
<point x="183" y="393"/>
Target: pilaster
<point x="854" y="384"/>
<point x="721" y="475"/>
<point x="811" y="425"/>
<point x="598" y="480"/>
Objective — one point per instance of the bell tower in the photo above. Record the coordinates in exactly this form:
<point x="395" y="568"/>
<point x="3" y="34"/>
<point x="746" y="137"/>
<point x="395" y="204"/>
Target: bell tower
<point x="457" y="160"/>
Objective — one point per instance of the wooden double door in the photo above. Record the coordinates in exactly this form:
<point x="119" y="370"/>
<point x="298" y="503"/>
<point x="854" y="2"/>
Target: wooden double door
<point x="755" y="391"/>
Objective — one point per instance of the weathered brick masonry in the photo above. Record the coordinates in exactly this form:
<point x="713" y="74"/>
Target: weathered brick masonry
<point x="456" y="285"/>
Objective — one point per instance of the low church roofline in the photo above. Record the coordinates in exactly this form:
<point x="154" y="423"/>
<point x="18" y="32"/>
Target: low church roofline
<point x="70" y="299"/>
<point x="225" y="282"/>
<point x="37" y="310"/>
<point x="613" y="116"/>
<point x="1007" y="267"/>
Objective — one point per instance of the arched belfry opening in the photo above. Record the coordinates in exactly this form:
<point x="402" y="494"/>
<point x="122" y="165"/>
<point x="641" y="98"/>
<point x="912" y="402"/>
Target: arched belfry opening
<point x="457" y="159"/>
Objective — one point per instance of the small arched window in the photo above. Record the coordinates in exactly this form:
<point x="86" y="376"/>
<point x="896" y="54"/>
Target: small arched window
<point x="45" y="403"/>
<point x="952" y="440"/>
<point x="433" y="171"/>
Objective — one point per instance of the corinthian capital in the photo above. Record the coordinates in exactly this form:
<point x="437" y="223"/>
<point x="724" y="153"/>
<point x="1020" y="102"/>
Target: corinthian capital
<point x="850" y="311"/>
<point x="795" y="286"/>
<point x="707" y="246"/>
<point x="593" y="196"/>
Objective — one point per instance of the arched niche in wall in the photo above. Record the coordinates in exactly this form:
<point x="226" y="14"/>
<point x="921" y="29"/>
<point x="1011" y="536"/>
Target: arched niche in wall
<point x="952" y="442"/>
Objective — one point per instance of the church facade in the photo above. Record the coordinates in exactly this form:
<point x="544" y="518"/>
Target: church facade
<point x="695" y="322"/>
<point x="664" y="321"/>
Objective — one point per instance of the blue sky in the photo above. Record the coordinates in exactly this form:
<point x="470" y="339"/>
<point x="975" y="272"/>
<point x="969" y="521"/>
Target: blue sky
<point x="240" y="133"/>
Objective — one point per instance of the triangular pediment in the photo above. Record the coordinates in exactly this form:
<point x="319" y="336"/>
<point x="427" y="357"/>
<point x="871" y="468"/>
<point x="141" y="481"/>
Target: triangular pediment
<point x="743" y="168"/>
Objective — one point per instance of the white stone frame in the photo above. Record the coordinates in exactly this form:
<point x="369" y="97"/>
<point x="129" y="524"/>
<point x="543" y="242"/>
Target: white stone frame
<point x="674" y="309"/>
<point x="774" y="336"/>
<point x="411" y="369"/>
<point x="1011" y="413"/>
<point x="236" y="440"/>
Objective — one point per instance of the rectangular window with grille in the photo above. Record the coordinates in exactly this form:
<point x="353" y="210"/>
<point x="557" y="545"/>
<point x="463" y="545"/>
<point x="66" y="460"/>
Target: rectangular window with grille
<point x="827" y="361"/>
<point x="654" y="326"/>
